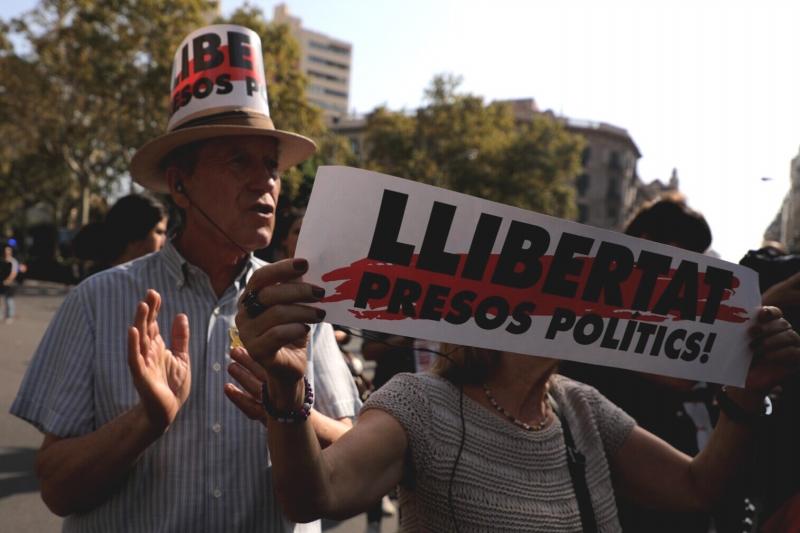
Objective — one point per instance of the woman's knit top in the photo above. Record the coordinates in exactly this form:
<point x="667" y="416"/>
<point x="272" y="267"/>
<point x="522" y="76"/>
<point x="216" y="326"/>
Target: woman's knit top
<point x="508" y="478"/>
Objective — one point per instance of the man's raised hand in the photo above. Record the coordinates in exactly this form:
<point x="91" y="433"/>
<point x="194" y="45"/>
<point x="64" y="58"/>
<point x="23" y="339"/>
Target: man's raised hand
<point x="162" y="376"/>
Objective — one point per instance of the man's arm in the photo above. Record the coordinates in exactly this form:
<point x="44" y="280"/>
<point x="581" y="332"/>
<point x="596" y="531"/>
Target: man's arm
<point x="79" y="473"/>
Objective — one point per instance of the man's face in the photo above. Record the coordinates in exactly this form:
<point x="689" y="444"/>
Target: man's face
<point x="235" y="181"/>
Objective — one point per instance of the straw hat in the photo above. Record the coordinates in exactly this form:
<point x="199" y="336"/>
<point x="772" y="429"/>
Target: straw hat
<point x="218" y="90"/>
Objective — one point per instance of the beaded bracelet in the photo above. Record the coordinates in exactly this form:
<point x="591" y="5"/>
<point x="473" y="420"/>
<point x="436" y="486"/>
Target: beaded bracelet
<point x="736" y="412"/>
<point x="292" y="415"/>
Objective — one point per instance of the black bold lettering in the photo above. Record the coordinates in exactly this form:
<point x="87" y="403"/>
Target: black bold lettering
<point x="595" y="322"/>
<point x="404" y="296"/>
<point x="207" y="45"/>
<point x="238" y="52"/>
<point x="372" y="287"/>
<point x="565" y="264"/>
<point x="670" y="349"/>
<point x="658" y="341"/>
<point x="645" y="330"/>
<point x="432" y="256"/>
<point x="202" y="88"/>
<point x="224" y="85"/>
<point x="252" y="86"/>
<point x="521" y="318"/>
<point x="627" y="337"/>
<point x="681" y="293"/>
<point x="652" y="265"/>
<point x="184" y="64"/>
<point x="608" y="337"/>
<point x="494" y="305"/>
<point x="612" y="265"/>
<point x="460" y="310"/>
<point x="692" y="346"/>
<point x="562" y="320"/>
<point x="384" y="246"/>
<point x="524" y="245"/>
<point x="433" y="302"/>
<point x="481" y="247"/>
<point x="718" y="280"/>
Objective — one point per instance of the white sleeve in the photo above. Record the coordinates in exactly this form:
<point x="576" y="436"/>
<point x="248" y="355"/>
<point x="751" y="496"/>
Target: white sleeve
<point x="335" y="392"/>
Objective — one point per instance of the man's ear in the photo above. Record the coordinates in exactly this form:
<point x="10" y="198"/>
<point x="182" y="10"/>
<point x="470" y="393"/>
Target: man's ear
<point x="175" y="182"/>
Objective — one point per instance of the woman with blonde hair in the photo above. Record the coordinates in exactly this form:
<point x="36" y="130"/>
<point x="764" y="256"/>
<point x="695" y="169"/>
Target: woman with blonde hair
<point x="489" y="441"/>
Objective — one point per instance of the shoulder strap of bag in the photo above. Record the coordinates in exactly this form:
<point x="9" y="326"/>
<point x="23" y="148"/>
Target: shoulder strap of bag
<point x="576" y="462"/>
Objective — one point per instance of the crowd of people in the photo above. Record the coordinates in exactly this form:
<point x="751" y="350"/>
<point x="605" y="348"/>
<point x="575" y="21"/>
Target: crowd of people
<point x="128" y="384"/>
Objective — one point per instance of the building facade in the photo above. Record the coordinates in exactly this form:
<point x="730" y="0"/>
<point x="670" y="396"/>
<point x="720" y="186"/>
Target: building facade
<point x="608" y="189"/>
<point x="785" y="228"/>
<point x="326" y="62"/>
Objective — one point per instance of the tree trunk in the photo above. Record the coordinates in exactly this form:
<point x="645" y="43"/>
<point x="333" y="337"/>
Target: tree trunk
<point x="85" y="197"/>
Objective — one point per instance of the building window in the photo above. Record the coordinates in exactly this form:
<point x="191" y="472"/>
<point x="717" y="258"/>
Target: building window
<point x="583" y="213"/>
<point x="582" y="184"/>
<point x="322" y="75"/>
<point x="331" y="92"/>
<point x="615" y="162"/>
<point x="613" y="192"/>
<point x="330" y="47"/>
<point x="328" y="62"/>
<point x="586" y="155"/>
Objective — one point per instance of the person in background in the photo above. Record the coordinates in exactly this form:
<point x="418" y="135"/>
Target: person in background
<point x="136" y="225"/>
<point x="9" y="269"/>
<point x="680" y="411"/>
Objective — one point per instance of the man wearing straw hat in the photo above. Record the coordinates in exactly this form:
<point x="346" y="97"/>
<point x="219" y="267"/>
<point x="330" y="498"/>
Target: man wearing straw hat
<point x="127" y="447"/>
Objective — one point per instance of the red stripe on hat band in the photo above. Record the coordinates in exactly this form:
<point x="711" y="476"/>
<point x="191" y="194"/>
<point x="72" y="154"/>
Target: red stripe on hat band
<point x="234" y="73"/>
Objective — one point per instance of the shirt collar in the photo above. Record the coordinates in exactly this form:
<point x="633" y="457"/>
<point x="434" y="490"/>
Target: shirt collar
<point x="179" y="268"/>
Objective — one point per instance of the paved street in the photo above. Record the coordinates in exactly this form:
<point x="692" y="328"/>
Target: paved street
<point x="21" y="508"/>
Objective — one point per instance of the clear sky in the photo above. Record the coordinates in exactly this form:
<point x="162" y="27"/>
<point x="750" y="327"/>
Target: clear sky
<point x="711" y="88"/>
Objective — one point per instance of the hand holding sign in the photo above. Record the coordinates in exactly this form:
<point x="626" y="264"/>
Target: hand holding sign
<point x="276" y="338"/>
<point x="776" y="351"/>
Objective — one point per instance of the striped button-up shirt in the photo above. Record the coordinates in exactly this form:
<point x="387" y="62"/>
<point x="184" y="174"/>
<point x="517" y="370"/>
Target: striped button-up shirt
<point x="211" y="470"/>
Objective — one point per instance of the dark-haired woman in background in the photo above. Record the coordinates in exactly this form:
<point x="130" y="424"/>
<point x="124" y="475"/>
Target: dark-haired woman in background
<point x="135" y="226"/>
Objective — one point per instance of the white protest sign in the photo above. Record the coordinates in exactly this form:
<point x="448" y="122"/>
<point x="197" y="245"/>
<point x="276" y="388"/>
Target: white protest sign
<point x="410" y="259"/>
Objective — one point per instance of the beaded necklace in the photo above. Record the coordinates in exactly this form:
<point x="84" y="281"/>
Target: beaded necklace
<point x="500" y="409"/>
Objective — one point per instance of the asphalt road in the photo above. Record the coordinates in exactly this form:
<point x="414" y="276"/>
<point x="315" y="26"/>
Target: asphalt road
<point x="21" y="508"/>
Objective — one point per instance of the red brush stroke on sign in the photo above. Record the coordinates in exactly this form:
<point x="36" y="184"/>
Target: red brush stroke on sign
<point x="350" y="277"/>
<point x="235" y="73"/>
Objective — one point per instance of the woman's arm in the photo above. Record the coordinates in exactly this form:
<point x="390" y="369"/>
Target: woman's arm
<point x="653" y="473"/>
<point x="342" y="480"/>
<point x="356" y="470"/>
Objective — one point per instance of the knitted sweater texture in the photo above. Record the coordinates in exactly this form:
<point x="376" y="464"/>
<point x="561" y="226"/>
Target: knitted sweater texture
<point x="508" y="478"/>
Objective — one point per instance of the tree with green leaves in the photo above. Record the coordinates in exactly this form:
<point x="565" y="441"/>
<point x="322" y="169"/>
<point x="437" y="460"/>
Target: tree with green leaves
<point x="458" y="142"/>
<point x="101" y="68"/>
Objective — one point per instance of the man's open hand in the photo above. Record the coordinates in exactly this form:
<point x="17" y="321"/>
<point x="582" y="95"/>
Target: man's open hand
<point x="162" y="376"/>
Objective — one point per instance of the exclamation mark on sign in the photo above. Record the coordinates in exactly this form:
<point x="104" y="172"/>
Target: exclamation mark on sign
<point x="709" y="345"/>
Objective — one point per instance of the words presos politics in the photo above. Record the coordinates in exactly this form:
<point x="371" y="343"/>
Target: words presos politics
<point x="640" y="291"/>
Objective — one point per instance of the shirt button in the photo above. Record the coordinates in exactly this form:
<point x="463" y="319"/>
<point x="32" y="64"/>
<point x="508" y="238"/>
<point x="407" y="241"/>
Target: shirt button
<point x="217" y="367"/>
<point x="216" y="428"/>
<point x="217" y="493"/>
